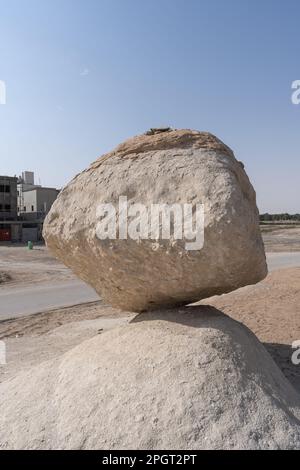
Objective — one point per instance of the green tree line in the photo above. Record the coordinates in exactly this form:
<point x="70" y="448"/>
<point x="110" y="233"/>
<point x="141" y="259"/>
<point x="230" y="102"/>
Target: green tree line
<point x="278" y="217"/>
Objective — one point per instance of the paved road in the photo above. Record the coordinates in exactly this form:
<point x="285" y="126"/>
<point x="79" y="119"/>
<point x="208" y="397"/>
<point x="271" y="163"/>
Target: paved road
<point x="15" y="302"/>
<point x="283" y="260"/>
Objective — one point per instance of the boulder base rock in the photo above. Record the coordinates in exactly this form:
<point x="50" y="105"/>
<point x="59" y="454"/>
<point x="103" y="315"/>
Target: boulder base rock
<point x="190" y="378"/>
<point x="169" y="167"/>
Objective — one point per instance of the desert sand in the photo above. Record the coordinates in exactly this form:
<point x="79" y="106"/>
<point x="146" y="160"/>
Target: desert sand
<point x="281" y="238"/>
<point x="20" y="266"/>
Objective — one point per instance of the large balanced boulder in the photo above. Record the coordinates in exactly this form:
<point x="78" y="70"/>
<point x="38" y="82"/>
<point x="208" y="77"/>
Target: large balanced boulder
<point x="173" y="167"/>
<point x="190" y="378"/>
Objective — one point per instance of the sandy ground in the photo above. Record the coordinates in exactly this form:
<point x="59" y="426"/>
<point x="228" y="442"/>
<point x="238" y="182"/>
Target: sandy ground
<point x="281" y="238"/>
<point x="271" y="309"/>
<point x="25" y="266"/>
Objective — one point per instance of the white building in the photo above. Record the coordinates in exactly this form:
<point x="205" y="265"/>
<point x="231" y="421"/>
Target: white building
<point x="34" y="201"/>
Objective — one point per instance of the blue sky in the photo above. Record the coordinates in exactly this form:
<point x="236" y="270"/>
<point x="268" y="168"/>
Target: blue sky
<point x="84" y="75"/>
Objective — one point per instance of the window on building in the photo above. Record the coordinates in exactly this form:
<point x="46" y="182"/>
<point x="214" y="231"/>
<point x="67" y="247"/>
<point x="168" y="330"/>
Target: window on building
<point x="32" y="208"/>
<point x="7" y="207"/>
<point x="1" y="188"/>
<point x="24" y="209"/>
<point x="1" y="208"/>
<point x="7" y="189"/>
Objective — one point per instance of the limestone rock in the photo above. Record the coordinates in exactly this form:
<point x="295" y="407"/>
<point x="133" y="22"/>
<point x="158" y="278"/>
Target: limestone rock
<point x="170" y="167"/>
<point x="190" y="378"/>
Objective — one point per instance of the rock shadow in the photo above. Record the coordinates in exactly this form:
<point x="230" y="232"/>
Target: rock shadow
<point x="282" y="356"/>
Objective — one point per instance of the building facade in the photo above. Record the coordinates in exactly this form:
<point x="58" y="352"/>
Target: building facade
<point x="37" y="202"/>
<point x="8" y="208"/>
<point x="8" y="197"/>
<point x="23" y="208"/>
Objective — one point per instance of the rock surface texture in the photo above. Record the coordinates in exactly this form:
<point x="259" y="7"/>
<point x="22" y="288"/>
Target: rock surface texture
<point x="190" y="378"/>
<point x="181" y="166"/>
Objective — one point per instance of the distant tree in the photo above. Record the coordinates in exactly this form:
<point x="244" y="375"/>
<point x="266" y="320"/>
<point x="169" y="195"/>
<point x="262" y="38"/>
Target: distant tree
<point x="279" y="217"/>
